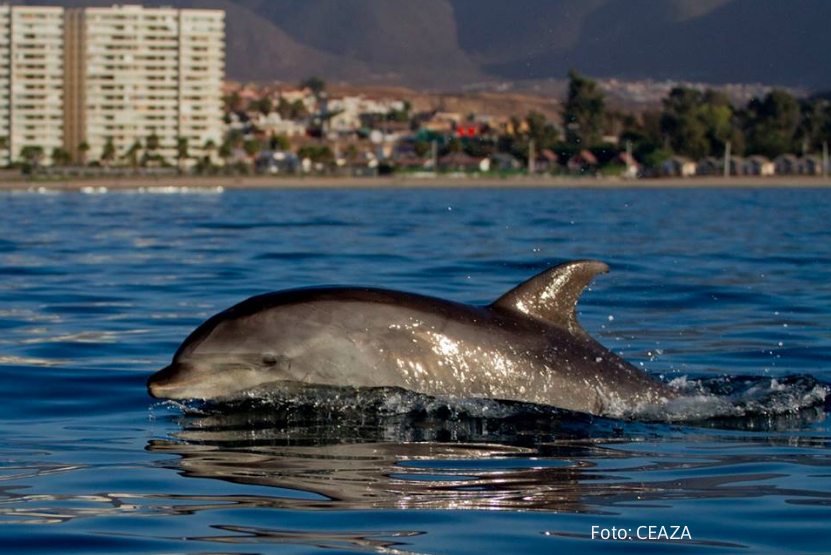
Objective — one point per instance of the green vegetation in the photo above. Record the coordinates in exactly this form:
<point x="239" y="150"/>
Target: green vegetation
<point x="314" y="84"/>
<point x="584" y="111"/>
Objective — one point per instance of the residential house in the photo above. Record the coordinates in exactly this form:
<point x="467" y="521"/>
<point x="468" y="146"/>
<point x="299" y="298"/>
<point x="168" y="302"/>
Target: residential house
<point x="710" y="166"/>
<point x="583" y="161"/>
<point x="461" y="162"/>
<point x="413" y="163"/>
<point x="546" y="161"/>
<point x="440" y="122"/>
<point x="273" y="124"/>
<point x="276" y="161"/>
<point x="759" y="165"/>
<point x="738" y="165"/>
<point x="631" y="166"/>
<point x="678" y="166"/>
<point x="786" y="164"/>
<point x="504" y="162"/>
<point x="810" y="165"/>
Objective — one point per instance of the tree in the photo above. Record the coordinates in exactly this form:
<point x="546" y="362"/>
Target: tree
<point x="108" y="152"/>
<point x="351" y="156"/>
<point x="584" y="111"/>
<point x="314" y="84"/>
<point x="132" y="154"/>
<point x="233" y="102"/>
<point x="299" y="110"/>
<point x="153" y="142"/>
<point x="83" y="151"/>
<point x="280" y="142"/>
<point x="316" y="153"/>
<point x="61" y="157"/>
<point x="681" y="124"/>
<point x="421" y="148"/>
<point x="721" y="126"/>
<point x="543" y="133"/>
<point x="32" y="155"/>
<point x="284" y="108"/>
<point x="182" y="148"/>
<point x="210" y="148"/>
<point x="265" y="105"/>
<point x="292" y="110"/>
<point x="815" y="121"/>
<point x="772" y="124"/>
<point x="455" y="146"/>
<point x="226" y="151"/>
<point x="698" y="124"/>
<point x="252" y="147"/>
<point x="152" y="146"/>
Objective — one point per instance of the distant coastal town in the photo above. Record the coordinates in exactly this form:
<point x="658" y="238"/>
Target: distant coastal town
<point x="694" y="132"/>
<point x="137" y="91"/>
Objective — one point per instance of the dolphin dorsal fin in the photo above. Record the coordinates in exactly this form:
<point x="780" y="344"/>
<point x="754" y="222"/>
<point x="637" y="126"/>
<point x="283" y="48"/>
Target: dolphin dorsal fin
<point x="552" y="295"/>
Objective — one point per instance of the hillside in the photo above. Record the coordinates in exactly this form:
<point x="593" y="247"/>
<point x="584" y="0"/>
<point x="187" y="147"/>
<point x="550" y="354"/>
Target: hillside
<point x="451" y="43"/>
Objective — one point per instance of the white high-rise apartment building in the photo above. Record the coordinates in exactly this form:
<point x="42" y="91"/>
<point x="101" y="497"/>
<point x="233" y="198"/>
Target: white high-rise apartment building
<point x="31" y="80"/>
<point x="146" y="75"/>
<point x="127" y="76"/>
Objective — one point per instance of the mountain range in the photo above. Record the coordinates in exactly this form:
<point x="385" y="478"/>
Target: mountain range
<point x="455" y="43"/>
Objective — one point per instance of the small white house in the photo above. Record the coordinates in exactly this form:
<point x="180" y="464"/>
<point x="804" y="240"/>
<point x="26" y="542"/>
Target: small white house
<point x="678" y="166"/>
<point x="759" y="165"/>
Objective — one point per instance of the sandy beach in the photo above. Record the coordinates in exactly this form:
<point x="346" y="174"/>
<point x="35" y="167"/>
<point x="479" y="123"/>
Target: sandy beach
<point x="396" y="182"/>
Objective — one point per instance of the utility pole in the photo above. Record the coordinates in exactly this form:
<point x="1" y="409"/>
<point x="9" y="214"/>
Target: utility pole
<point x="531" y="156"/>
<point x="629" y="160"/>
<point x="727" y="159"/>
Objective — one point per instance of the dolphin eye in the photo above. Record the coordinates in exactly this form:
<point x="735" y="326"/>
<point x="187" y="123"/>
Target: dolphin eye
<point x="269" y="359"/>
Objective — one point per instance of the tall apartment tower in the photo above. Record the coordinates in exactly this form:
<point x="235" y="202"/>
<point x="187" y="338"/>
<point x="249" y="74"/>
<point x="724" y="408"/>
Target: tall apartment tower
<point x="81" y="79"/>
<point x="143" y="76"/>
<point x="31" y="80"/>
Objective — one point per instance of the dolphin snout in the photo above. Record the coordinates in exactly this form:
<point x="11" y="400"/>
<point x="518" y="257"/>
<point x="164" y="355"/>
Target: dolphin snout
<point x="164" y="383"/>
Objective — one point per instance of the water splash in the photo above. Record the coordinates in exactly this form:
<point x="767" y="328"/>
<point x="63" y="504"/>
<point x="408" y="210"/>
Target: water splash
<point x="736" y="397"/>
<point x="743" y="402"/>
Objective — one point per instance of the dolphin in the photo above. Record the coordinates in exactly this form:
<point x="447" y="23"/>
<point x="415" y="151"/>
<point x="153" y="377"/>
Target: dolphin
<point x="527" y="346"/>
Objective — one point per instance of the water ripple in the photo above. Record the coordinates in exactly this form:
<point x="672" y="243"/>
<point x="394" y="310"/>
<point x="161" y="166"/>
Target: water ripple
<point x="707" y="286"/>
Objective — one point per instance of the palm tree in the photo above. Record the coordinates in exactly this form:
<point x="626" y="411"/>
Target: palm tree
<point x="83" y="150"/>
<point x="108" y="154"/>
<point x="132" y="154"/>
<point x="182" y="151"/>
<point x="61" y="157"/>
<point x="4" y="146"/>
<point x="32" y="155"/>
<point x="351" y="157"/>
<point x="226" y="151"/>
<point x="209" y="148"/>
<point x="151" y="146"/>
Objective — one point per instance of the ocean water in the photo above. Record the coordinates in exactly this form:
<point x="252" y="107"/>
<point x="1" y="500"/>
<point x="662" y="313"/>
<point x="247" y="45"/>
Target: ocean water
<point x="725" y="293"/>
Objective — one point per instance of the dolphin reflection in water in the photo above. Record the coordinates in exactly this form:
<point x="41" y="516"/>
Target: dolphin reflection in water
<point x="527" y="346"/>
<point x="526" y="458"/>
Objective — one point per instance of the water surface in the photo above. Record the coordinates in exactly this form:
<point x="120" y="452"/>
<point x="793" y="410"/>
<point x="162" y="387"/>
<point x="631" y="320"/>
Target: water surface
<point x="97" y="291"/>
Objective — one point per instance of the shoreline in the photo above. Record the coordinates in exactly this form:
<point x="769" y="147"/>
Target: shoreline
<point x="401" y="182"/>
